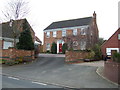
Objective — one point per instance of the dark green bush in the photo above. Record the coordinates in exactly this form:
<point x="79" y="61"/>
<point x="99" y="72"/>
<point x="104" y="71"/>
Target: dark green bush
<point x="54" y="48"/>
<point x="25" y="39"/>
<point x="116" y="57"/>
<point x="64" y="48"/>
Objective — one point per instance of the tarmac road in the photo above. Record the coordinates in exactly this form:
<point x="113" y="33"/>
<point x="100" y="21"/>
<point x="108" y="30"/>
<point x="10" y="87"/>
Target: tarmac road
<point x="53" y="70"/>
<point x="12" y="82"/>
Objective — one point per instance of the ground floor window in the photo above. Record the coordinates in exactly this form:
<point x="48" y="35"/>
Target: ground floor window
<point x="83" y="45"/>
<point x="7" y="44"/>
<point x="48" y="46"/>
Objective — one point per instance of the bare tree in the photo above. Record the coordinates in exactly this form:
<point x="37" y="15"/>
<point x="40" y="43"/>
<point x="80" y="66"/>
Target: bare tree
<point x="15" y="9"/>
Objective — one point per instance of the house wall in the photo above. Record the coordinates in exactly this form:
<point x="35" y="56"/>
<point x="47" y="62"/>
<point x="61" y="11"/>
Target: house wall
<point x="91" y="40"/>
<point x="112" y="42"/>
<point x="52" y="39"/>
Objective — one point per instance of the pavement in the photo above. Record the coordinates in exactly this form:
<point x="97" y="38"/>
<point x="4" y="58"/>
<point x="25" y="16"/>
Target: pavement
<point x="51" y="69"/>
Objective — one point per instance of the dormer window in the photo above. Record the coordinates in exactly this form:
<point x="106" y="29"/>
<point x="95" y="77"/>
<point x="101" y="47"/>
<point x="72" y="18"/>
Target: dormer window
<point x="47" y="34"/>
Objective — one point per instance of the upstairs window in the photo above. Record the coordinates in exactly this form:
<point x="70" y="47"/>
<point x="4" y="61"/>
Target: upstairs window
<point x="63" y="33"/>
<point x="47" y="34"/>
<point x="83" y="31"/>
<point x="54" y="33"/>
<point x="118" y="36"/>
<point x="75" y="32"/>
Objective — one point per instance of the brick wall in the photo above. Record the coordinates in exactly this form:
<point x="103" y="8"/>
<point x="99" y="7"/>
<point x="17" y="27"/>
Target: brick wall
<point x="74" y="55"/>
<point x="9" y="54"/>
<point x="112" y="71"/>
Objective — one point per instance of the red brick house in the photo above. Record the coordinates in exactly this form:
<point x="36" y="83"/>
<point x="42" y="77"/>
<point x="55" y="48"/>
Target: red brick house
<point x="83" y="33"/>
<point x="113" y="43"/>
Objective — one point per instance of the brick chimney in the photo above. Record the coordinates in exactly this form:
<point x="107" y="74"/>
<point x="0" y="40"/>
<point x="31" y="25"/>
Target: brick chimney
<point x="94" y="17"/>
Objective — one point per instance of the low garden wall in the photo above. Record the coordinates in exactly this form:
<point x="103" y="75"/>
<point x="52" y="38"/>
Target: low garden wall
<point x="13" y="54"/>
<point x="112" y="71"/>
<point x="76" y="55"/>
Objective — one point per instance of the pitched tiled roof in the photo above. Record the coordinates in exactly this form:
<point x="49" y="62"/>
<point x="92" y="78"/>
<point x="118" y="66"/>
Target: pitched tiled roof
<point x="6" y="30"/>
<point x="37" y="39"/>
<point x="70" y="23"/>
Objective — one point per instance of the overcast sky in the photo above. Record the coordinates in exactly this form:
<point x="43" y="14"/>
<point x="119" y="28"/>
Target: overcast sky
<point x="44" y="12"/>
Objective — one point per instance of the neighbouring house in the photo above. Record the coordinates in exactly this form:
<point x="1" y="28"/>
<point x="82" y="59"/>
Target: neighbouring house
<point x="7" y="37"/>
<point x="82" y="33"/>
<point x="113" y="43"/>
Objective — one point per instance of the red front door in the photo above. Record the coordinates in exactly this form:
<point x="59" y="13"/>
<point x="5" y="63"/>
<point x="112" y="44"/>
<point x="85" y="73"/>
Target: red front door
<point x="60" y="48"/>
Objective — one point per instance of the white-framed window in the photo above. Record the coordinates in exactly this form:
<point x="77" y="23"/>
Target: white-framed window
<point x="83" y="45"/>
<point x="83" y="31"/>
<point x="54" y="33"/>
<point x="47" y="34"/>
<point x="108" y="50"/>
<point x="48" y="46"/>
<point x="75" y="32"/>
<point x="118" y="36"/>
<point x="7" y="44"/>
<point x="75" y="43"/>
<point x="63" y="32"/>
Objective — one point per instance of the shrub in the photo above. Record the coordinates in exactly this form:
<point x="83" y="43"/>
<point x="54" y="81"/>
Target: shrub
<point x="10" y="62"/>
<point x="20" y="60"/>
<point x="2" y="61"/>
<point x="64" y="48"/>
<point x="54" y="48"/>
<point x="97" y="51"/>
<point x="116" y="57"/>
<point x="91" y="55"/>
